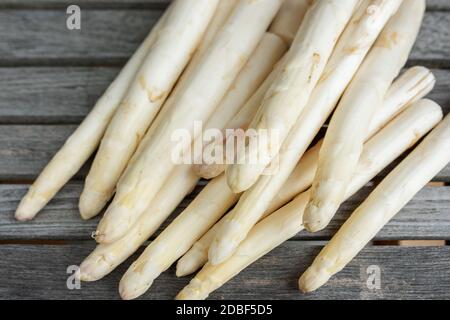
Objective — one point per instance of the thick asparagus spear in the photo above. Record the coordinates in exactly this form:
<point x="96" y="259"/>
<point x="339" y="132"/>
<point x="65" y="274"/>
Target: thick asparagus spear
<point x="186" y="24"/>
<point x="86" y="138"/>
<point x="285" y="100"/>
<point x="390" y="196"/>
<point x="351" y="49"/>
<point x="399" y="135"/>
<point x="346" y="132"/>
<point x="207" y="86"/>
<point x="413" y="85"/>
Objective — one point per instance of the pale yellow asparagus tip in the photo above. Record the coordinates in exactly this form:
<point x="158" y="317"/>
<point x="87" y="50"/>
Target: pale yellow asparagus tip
<point x="135" y="282"/>
<point x="322" y="214"/>
<point x="107" y="230"/>
<point x="93" y="270"/>
<point x="193" y="260"/>
<point x="193" y="291"/>
<point x="91" y="203"/>
<point x="30" y="205"/>
<point x="313" y="279"/>
<point x="223" y="247"/>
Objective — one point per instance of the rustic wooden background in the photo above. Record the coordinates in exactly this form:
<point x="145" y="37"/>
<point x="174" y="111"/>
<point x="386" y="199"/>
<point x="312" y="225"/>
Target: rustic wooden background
<point x="50" y="77"/>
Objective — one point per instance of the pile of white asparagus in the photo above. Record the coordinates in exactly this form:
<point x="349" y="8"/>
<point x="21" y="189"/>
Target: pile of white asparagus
<point x="267" y="65"/>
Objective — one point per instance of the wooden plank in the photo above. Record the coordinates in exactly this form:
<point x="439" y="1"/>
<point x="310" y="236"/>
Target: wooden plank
<point x="406" y="273"/>
<point x="110" y="36"/>
<point x="64" y="95"/>
<point x="26" y="149"/>
<point x="431" y="4"/>
<point x="52" y="95"/>
<point x="425" y="217"/>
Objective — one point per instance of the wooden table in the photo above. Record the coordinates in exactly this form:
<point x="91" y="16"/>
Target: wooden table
<point x="50" y="77"/>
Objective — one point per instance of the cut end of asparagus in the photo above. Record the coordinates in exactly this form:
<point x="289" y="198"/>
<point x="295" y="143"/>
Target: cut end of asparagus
<point x="190" y="262"/>
<point x="317" y="218"/>
<point x="312" y="279"/>
<point x="91" y="204"/>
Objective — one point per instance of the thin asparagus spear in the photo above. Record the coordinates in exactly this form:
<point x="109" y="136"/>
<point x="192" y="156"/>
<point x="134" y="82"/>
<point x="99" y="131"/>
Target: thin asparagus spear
<point x="347" y="129"/>
<point x="323" y="24"/>
<point x="198" y="217"/>
<point x="186" y="24"/>
<point x="413" y="85"/>
<point x="207" y="86"/>
<point x="390" y="196"/>
<point x="399" y="135"/>
<point x="86" y="138"/>
<point x="351" y="49"/>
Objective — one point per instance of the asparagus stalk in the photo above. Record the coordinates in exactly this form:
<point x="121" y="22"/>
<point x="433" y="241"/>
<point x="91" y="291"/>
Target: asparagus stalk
<point x="351" y="49"/>
<point x="240" y="121"/>
<point x="198" y="217"/>
<point x="413" y="85"/>
<point x="207" y="86"/>
<point x="86" y="138"/>
<point x="288" y="95"/>
<point x="221" y="15"/>
<point x="288" y="20"/>
<point x="261" y="63"/>
<point x="390" y="196"/>
<point x="345" y="135"/>
<point x="399" y="135"/>
<point x="106" y="257"/>
<point x="146" y="94"/>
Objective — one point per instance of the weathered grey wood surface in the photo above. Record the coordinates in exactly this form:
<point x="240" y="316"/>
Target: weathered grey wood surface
<point x="427" y="216"/>
<point x="35" y="272"/>
<point x="50" y="78"/>
<point x="110" y="36"/>
<point x="26" y="149"/>
<point x="61" y="95"/>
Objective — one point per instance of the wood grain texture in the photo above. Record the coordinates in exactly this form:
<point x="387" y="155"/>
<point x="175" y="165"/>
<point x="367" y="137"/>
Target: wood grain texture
<point x="406" y="273"/>
<point x="64" y="95"/>
<point x="110" y="36"/>
<point x="26" y="149"/>
<point x="425" y="217"/>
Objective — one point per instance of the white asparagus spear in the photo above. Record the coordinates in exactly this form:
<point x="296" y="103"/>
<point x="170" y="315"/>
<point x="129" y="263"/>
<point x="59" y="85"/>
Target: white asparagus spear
<point x="413" y="85"/>
<point x="240" y="121"/>
<point x="259" y="66"/>
<point x="390" y="196"/>
<point x="186" y="24"/>
<point x="106" y="257"/>
<point x="207" y="86"/>
<point x="288" y="95"/>
<point x="221" y="15"/>
<point x="286" y="222"/>
<point x="212" y="202"/>
<point x="345" y="135"/>
<point x="86" y="138"/>
<point x="347" y="57"/>
<point x="288" y="20"/>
